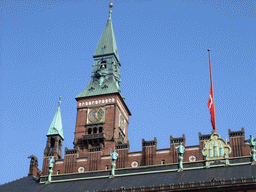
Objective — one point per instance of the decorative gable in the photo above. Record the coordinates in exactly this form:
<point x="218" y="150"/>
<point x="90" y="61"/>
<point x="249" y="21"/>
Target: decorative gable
<point x="216" y="150"/>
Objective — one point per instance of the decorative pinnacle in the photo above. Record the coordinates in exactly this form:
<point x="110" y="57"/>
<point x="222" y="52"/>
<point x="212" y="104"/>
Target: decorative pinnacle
<point x="110" y="10"/>
<point x="209" y="50"/>
<point x="59" y="100"/>
<point x="110" y="5"/>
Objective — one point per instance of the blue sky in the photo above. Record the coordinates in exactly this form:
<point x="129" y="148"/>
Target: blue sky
<point x="46" y="52"/>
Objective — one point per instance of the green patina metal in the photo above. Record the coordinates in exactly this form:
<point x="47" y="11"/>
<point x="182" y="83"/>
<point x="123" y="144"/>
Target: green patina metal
<point x="253" y="150"/>
<point x="107" y="43"/>
<point x="114" y="156"/>
<point x="51" y="161"/>
<point x="181" y="150"/>
<point x="146" y="172"/>
<point x="105" y="78"/>
<point x="56" y="125"/>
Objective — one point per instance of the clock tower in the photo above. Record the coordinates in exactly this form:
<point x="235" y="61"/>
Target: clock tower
<point x="102" y="115"/>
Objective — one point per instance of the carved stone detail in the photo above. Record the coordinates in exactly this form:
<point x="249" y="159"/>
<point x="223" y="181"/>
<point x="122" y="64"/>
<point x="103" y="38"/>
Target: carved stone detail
<point x="216" y="150"/>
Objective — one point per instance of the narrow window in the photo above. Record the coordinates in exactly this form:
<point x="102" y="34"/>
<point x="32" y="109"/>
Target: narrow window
<point x="89" y="131"/>
<point x="52" y="142"/>
<point x="103" y="65"/>
<point x="100" y="130"/>
<point x="94" y="130"/>
<point x="58" y="172"/>
<point x="163" y="162"/>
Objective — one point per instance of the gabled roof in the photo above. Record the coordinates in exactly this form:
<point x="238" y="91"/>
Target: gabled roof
<point x="107" y="43"/>
<point x="56" y="125"/>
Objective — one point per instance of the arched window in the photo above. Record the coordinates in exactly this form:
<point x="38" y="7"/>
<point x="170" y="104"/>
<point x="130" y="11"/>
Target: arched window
<point x="163" y="162"/>
<point x="95" y="130"/>
<point x="59" y="142"/>
<point x="89" y="131"/>
<point x="58" y="172"/>
<point x="100" y="130"/>
<point x="52" y="142"/>
<point x="103" y="65"/>
<point x="106" y="167"/>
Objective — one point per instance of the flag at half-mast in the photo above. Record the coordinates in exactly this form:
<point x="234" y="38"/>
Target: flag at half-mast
<point x="211" y="104"/>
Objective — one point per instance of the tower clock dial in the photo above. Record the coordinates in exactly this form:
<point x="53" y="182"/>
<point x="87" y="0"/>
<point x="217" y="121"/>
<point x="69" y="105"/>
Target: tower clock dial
<point x="96" y="115"/>
<point x="122" y="123"/>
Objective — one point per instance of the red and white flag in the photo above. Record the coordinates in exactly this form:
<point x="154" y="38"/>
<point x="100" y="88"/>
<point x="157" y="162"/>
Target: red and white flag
<point x="212" y="109"/>
<point x="211" y="104"/>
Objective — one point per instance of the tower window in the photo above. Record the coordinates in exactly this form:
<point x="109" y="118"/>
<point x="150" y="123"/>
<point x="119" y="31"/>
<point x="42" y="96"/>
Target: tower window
<point x="89" y="131"/>
<point x="100" y="130"/>
<point x="106" y="167"/>
<point x="163" y="162"/>
<point x="103" y="65"/>
<point x="58" y="172"/>
<point x="52" y="142"/>
<point x="94" y="130"/>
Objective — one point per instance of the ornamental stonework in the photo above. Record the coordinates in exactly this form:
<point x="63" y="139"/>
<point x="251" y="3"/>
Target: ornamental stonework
<point x="216" y="150"/>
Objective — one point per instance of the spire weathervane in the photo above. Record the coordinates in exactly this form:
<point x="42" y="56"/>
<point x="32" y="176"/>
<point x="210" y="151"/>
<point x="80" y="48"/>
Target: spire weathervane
<point x="59" y="101"/>
<point x="110" y="10"/>
<point x="110" y="4"/>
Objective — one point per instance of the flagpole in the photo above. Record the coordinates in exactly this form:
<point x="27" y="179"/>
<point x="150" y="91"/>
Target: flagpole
<point x="212" y="90"/>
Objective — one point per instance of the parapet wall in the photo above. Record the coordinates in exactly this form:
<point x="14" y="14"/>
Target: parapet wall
<point x="150" y="155"/>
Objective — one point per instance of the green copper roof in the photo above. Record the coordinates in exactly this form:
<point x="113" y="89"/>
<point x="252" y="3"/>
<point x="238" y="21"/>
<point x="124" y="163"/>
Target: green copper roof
<point x="107" y="43"/>
<point x="96" y="89"/>
<point x="105" y="76"/>
<point x="56" y="125"/>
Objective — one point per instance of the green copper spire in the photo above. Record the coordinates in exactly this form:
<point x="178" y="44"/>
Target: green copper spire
<point x="105" y="77"/>
<point x="56" y="125"/>
<point x="107" y="43"/>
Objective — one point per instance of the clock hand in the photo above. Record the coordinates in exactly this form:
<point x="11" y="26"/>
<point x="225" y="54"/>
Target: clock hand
<point x="96" y="114"/>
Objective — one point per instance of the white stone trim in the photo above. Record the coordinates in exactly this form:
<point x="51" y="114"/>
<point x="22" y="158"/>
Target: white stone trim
<point x="165" y="151"/>
<point x="81" y="160"/>
<point x="191" y="149"/>
<point x="133" y="155"/>
<point x="59" y="162"/>
<point x="105" y="158"/>
<point x="97" y="102"/>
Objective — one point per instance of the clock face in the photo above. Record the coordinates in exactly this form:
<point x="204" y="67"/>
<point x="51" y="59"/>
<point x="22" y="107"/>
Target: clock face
<point x="122" y="123"/>
<point x="96" y="115"/>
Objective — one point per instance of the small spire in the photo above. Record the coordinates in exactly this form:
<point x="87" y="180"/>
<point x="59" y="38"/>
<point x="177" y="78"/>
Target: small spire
<point x="56" y="125"/>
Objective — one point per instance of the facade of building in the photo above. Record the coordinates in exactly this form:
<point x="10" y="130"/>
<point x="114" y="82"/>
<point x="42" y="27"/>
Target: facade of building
<point x="102" y="124"/>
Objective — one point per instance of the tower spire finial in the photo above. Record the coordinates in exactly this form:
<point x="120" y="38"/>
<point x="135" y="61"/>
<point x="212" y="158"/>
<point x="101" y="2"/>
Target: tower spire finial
<point x="59" y="100"/>
<point x="110" y="10"/>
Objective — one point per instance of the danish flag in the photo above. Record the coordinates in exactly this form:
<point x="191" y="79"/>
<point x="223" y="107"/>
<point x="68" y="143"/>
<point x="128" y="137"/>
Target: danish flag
<point x="212" y="109"/>
<point x="211" y="104"/>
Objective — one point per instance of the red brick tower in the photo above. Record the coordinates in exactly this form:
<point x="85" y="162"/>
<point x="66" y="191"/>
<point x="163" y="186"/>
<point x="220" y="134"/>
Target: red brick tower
<point x="102" y="115"/>
<point x="54" y="141"/>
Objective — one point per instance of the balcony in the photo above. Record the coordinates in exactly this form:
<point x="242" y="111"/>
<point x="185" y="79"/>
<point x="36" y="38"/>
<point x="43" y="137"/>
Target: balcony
<point x="94" y="136"/>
